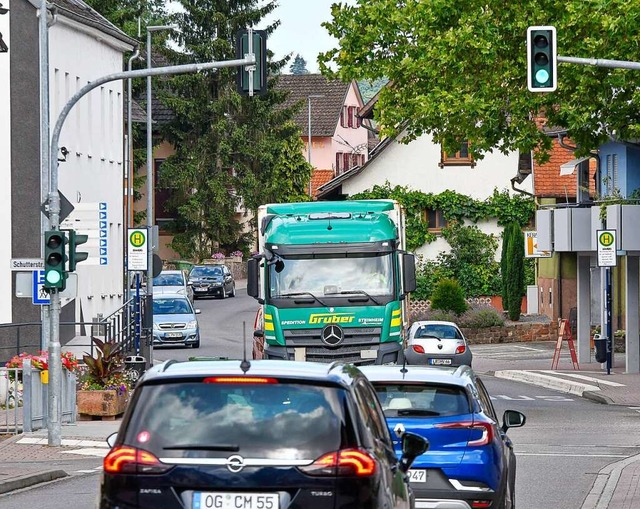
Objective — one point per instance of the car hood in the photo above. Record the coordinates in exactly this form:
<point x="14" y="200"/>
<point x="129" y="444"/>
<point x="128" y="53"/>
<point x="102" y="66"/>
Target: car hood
<point x="207" y="279"/>
<point x="178" y="318"/>
<point x="169" y="289"/>
<point x="435" y="346"/>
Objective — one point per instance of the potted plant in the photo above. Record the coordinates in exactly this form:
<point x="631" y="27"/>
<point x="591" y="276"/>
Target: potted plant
<point x="104" y="386"/>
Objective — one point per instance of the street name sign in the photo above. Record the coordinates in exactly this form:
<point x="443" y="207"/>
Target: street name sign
<point x="607" y="250"/>
<point x="26" y="264"/>
<point x="137" y="249"/>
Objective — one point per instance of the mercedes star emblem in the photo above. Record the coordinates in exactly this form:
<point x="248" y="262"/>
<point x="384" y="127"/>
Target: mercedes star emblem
<point x="332" y="335"/>
<point x="235" y="463"/>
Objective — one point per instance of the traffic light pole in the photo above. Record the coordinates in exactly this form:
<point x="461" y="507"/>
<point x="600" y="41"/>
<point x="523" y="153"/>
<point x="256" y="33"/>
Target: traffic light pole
<point x="55" y="365"/>
<point x="601" y="62"/>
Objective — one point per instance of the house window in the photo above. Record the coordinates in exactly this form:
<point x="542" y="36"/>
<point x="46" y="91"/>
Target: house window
<point x="461" y="158"/>
<point x="165" y="211"/>
<point x="435" y="220"/>
<point x="612" y="174"/>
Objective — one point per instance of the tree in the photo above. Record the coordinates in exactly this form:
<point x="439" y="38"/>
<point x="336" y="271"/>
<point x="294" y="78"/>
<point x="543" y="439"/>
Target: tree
<point x="230" y="150"/>
<point x="449" y="296"/>
<point x="299" y="65"/>
<point x="458" y="70"/>
<point x="125" y="13"/>
<point x="512" y="265"/>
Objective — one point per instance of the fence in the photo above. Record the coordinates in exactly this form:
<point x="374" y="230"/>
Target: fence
<point x="24" y="399"/>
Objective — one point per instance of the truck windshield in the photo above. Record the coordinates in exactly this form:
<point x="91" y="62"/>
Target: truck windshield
<point x="327" y="275"/>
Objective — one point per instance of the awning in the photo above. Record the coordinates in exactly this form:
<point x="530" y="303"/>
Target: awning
<point x="570" y="166"/>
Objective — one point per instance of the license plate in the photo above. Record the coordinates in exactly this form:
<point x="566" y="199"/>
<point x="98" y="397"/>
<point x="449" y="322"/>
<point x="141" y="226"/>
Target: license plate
<point x="200" y="289"/>
<point x="417" y="475"/>
<point x="369" y="354"/>
<point x="236" y="501"/>
<point x="439" y="362"/>
<point x="173" y="335"/>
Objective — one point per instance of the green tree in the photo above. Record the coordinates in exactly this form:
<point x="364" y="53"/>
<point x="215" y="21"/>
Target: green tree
<point x="230" y="150"/>
<point x="125" y="13"/>
<point x="299" y="66"/>
<point x="512" y="265"/>
<point x="458" y="69"/>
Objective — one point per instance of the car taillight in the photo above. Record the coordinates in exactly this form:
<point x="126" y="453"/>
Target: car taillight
<point x="485" y="427"/>
<point x="347" y="462"/>
<point x="418" y="349"/>
<point x="481" y="504"/>
<point x="130" y="460"/>
<point x="461" y="349"/>
<point x="239" y="380"/>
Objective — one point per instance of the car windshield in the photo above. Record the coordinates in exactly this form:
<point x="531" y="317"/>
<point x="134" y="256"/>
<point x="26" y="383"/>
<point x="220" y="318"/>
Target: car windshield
<point x="171" y="307"/>
<point x="274" y="421"/>
<point x="206" y="272"/>
<point x="438" y="330"/>
<point x="370" y="273"/>
<point x="421" y="399"/>
<point x="168" y="280"/>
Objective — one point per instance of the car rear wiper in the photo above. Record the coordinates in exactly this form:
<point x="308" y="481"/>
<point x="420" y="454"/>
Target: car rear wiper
<point x="360" y="292"/>
<point x="203" y="447"/>
<point x="417" y="411"/>
<point x="299" y="294"/>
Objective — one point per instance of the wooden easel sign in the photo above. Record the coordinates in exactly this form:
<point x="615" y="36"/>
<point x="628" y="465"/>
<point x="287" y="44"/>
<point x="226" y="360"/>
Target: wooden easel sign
<point x="564" y="330"/>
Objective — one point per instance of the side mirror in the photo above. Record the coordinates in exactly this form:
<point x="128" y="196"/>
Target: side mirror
<point x="408" y="272"/>
<point x="253" y="289"/>
<point x="412" y="446"/>
<point x="111" y="439"/>
<point x="258" y="333"/>
<point x="513" y="419"/>
<point x="198" y="311"/>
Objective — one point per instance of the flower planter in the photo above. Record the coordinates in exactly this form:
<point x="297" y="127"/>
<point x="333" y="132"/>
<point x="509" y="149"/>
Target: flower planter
<point x="107" y="403"/>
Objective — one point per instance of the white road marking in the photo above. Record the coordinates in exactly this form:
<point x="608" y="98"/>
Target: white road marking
<point x="89" y="451"/>
<point x="564" y="455"/>
<point x="587" y="378"/>
<point x="65" y="441"/>
<point x="528" y="398"/>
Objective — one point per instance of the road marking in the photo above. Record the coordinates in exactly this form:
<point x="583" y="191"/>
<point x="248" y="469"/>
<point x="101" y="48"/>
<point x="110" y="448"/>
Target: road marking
<point x="564" y="455"/>
<point x="587" y="378"/>
<point x="557" y="399"/>
<point x="65" y="441"/>
<point x="89" y="451"/>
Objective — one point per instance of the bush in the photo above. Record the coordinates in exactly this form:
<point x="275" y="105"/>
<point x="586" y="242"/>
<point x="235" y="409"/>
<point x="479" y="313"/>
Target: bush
<point x="448" y="296"/>
<point x="481" y="317"/>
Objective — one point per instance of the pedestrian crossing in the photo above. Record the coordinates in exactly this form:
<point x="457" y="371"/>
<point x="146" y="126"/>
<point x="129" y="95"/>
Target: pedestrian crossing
<point x="514" y="352"/>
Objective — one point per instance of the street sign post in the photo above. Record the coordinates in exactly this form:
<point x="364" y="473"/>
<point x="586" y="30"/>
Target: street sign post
<point x="531" y="246"/>
<point x="607" y="250"/>
<point x="137" y="249"/>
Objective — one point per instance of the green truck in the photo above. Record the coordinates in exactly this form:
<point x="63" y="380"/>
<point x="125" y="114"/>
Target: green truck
<point x="332" y="280"/>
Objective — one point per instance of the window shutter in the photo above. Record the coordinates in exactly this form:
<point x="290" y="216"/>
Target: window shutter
<point x="350" y="116"/>
<point x="338" y="159"/>
<point x="345" y="160"/>
<point x="342" y="117"/>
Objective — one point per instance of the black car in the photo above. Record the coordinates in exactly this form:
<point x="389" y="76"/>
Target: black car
<point x="213" y="279"/>
<point x="266" y="435"/>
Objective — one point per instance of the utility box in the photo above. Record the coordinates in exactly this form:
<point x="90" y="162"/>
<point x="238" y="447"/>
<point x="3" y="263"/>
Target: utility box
<point x="628" y="232"/>
<point x="581" y="229"/>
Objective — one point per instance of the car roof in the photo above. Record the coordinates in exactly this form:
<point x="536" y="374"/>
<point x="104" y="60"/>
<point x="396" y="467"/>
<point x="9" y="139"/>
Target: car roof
<point x="170" y="296"/>
<point x="421" y="323"/>
<point x="337" y="372"/>
<point x="461" y="376"/>
<point x="171" y="271"/>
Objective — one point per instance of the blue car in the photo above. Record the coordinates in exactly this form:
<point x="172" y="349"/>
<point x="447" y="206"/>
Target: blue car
<point x="470" y="462"/>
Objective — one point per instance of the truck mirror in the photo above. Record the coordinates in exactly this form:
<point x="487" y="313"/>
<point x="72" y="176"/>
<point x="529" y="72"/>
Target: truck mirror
<point x="408" y="272"/>
<point x="252" y="277"/>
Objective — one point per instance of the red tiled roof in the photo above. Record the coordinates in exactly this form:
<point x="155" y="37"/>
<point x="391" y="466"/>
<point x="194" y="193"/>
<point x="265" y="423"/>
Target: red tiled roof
<point x="548" y="181"/>
<point x="319" y="178"/>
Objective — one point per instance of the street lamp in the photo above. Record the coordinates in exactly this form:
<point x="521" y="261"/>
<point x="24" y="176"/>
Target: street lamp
<point x="309" y="142"/>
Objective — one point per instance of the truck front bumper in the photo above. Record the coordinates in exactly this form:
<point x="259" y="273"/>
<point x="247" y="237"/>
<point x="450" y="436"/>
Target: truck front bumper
<point x="380" y="353"/>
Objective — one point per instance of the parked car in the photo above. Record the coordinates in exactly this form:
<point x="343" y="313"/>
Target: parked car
<point x="437" y="343"/>
<point x="172" y="281"/>
<point x="214" y="279"/>
<point x="470" y="461"/>
<point x="265" y="434"/>
<point x="174" y="321"/>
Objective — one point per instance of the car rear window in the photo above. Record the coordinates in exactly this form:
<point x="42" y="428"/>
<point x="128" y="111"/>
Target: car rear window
<point x="438" y="331"/>
<point x="274" y="421"/>
<point x="162" y="306"/>
<point x="422" y="399"/>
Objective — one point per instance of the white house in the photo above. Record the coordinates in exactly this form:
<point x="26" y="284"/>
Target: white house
<point x="82" y="47"/>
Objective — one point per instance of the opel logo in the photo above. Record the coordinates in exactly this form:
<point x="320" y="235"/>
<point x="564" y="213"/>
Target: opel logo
<point x="235" y="463"/>
<point x="332" y="335"/>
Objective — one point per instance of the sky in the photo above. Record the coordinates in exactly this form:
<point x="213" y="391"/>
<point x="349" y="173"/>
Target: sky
<point x="300" y="30"/>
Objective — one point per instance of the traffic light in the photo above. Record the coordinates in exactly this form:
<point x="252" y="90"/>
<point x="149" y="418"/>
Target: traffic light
<point x="75" y="256"/>
<point x="260" y="51"/>
<point x="55" y="257"/>
<point x="541" y="59"/>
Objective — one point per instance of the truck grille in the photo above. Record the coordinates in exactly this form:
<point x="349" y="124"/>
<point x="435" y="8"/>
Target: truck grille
<point x="356" y="339"/>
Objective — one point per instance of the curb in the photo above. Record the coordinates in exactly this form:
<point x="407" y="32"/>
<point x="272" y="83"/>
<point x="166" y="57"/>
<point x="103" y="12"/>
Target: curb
<point x="605" y="484"/>
<point x="24" y="481"/>
<point x="559" y="384"/>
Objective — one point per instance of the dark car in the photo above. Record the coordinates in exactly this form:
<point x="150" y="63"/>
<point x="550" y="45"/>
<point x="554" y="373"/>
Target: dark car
<point x="470" y="461"/>
<point x="214" y="279"/>
<point x="265" y="435"/>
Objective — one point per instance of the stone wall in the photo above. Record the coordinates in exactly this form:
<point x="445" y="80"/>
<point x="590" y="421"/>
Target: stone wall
<point x="513" y="332"/>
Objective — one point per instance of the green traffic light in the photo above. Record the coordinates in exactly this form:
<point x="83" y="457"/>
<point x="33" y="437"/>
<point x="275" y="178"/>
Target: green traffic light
<point x="53" y="277"/>
<point x="542" y="76"/>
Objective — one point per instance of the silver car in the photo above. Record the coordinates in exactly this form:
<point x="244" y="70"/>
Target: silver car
<point x="172" y="281"/>
<point x="437" y="343"/>
<point x="174" y="321"/>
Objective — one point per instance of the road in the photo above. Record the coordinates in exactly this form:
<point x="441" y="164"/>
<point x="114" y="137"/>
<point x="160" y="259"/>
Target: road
<point x="559" y="451"/>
